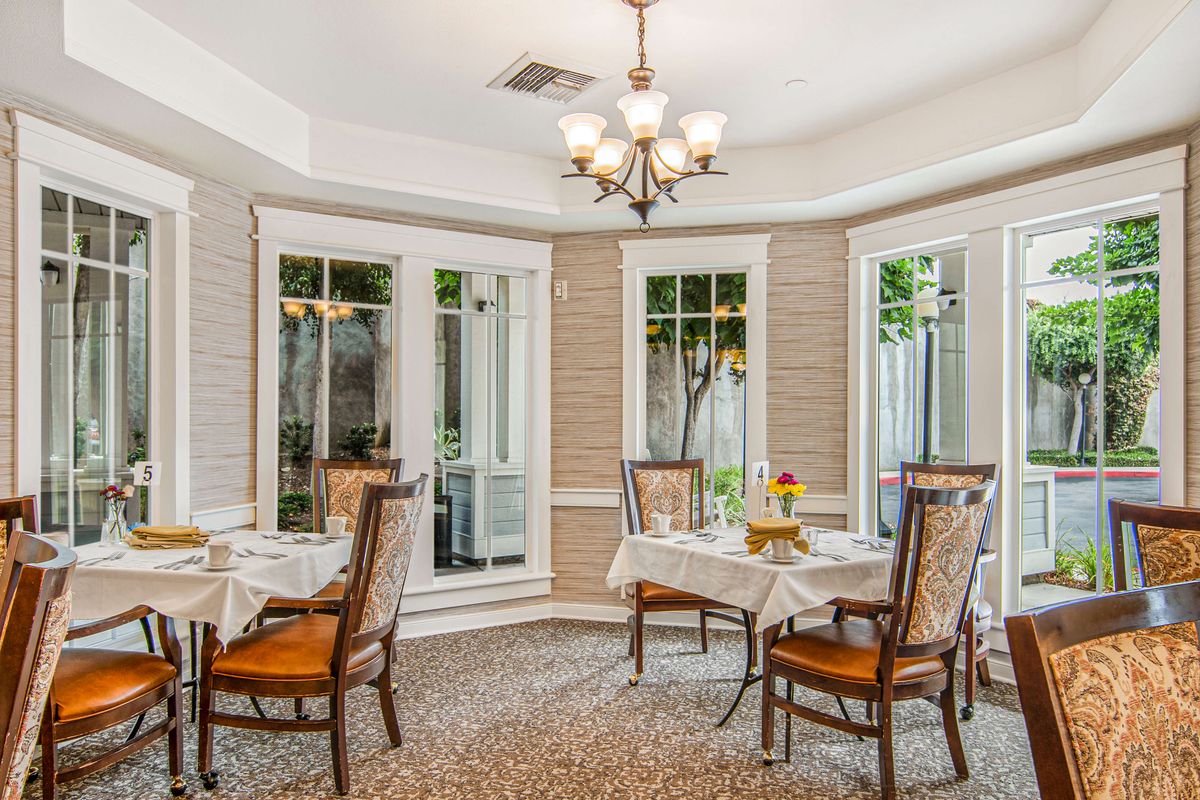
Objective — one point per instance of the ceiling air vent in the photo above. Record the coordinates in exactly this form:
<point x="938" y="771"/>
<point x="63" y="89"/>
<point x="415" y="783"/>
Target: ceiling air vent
<point x="532" y="75"/>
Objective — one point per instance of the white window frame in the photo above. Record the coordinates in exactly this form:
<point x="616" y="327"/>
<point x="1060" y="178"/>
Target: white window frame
<point x="990" y="225"/>
<point x="48" y="155"/>
<point x="416" y="252"/>
<point x="693" y="255"/>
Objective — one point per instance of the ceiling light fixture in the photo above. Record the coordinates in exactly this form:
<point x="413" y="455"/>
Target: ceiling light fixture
<point x="657" y="164"/>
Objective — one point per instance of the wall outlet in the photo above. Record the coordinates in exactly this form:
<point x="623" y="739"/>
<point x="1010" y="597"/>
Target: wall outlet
<point x="560" y="290"/>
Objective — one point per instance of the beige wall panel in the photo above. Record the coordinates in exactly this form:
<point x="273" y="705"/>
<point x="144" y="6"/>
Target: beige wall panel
<point x="1192" y="325"/>
<point x="585" y="541"/>
<point x="8" y="307"/>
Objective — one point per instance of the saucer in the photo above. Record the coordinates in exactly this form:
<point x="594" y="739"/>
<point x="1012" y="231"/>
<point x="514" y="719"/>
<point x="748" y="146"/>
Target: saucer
<point x="215" y="568"/>
<point x="769" y="557"/>
<point x="664" y="533"/>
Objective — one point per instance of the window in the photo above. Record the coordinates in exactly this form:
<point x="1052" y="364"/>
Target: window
<point x="1090" y="293"/>
<point x="95" y="275"/>
<point x="695" y="378"/>
<point x="335" y="371"/>
<point x="481" y="346"/>
<point x="921" y="369"/>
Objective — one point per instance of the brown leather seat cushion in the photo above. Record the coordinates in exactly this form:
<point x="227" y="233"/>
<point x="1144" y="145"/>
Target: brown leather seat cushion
<point x="848" y="651"/>
<point x="293" y="649"/>
<point x="334" y="589"/>
<point x="91" y="681"/>
<point x="656" y="591"/>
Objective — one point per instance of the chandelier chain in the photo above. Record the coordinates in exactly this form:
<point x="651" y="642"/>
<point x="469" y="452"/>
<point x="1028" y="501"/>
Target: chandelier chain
<point x="641" y="38"/>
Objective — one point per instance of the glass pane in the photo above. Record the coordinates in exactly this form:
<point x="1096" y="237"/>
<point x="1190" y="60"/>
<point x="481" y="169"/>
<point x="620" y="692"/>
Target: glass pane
<point x="948" y="416"/>
<point x="447" y="288"/>
<point x="1059" y="522"/>
<point x="664" y="424"/>
<point x="1130" y="243"/>
<point x="299" y="367"/>
<point x="131" y="386"/>
<point x="896" y="281"/>
<point x="360" y="282"/>
<point x="731" y="292"/>
<point x="1062" y="253"/>
<point x="477" y="294"/>
<point x="61" y="444"/>
<point x="510" y="295"/>
<point x="54" y="220"/>
<point x="299" y="276"/>
<point x="133" y="240"/>
<point x="460" y="443"/>
<point x="506" y="470"/>
<point x="360" y="385"/>
<point x="92" y="237"/>
<point x="952" y="272"/>
<point x="695" y="390"/>
<point x="727" y="468"/>
<point x="696" y="294"/>
<point x="660" y="294"/>
<point x="896" y="406"/>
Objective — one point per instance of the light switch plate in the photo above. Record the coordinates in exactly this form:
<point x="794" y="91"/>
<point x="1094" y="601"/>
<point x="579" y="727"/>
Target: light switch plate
<point x="560" y="290"/>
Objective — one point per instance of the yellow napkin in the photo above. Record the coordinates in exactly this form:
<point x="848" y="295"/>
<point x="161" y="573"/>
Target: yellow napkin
<point x="167" y="537"/>
<point x="762" y="531"/>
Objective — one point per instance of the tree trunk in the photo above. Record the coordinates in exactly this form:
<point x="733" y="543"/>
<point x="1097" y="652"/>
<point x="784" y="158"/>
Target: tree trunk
<point x="694" y="398"/>
<point x="381" y="336"/>
<point x="319" y="449"/>
<point x="81" y="310"/>
<point x="1077" y="420"/>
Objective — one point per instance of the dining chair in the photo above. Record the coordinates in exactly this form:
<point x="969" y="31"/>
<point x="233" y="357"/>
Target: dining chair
<point x="324" y="654"/>
<point x="35" y="611"/>
<point x="675" y="488"/>
<point x="17" y="514"/>
<point x="1163" y="545"/>
<point x="95" y="689"/>
<point x="979" y="618"/>
<point x="1110" y="691"/>
<point x="910" y="654"/>
<point x="338" y="486"/>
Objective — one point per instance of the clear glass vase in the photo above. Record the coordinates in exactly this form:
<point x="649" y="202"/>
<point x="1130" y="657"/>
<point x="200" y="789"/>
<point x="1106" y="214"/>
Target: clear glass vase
<point x="112" y="534"/>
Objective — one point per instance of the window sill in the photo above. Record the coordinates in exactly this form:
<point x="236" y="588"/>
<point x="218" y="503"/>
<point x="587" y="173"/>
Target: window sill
<point x="451" y="592"/>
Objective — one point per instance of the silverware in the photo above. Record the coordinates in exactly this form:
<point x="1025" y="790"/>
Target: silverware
<point x="248" y="553"/>
<point x="830" y="556"/>
<point x="178" y="565"/>
<point x="91" y="562"/>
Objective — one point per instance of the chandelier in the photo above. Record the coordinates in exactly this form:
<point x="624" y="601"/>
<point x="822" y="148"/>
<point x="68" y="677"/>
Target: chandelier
<point x="653" y="167"/>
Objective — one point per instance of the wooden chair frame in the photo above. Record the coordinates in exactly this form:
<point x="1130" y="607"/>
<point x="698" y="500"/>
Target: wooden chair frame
<point x="885" y="692"/>
<point x="35" y="573"/>
<point x="978" y="647"/>
<point x="1137" y="514"/>
<point x="641" y="606"/>
<point x="53" y="732"/>
<point x="24" y="508"/>
<point x="1033" y="636"/>
<point x="349" y="610"/>
<point x="319" y="465"/>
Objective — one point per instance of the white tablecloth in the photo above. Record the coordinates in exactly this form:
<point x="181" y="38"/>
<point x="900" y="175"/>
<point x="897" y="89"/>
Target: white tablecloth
<point x="773" y="591"/>
<point x="228" y="599"/>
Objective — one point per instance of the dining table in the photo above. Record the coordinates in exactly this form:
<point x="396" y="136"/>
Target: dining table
<point x="716" y="564"/>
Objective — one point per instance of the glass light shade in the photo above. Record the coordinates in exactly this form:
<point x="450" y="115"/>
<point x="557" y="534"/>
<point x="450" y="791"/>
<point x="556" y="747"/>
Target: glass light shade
<point x="582" y="133"/>
<point x="321" y="306"/>
<point x="703" y="131"/>
<point x="927" y="303"/>
<point x="345" y="312"/>
<point x="293" y="309"/>
<point x="609" y="155"/>
<point x="721" y="313"/>
<point x="673" y="153"/>
<point x="643" y="112"/>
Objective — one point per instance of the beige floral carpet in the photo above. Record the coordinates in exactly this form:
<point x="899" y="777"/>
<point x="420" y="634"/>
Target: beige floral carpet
<point x="543" y="710"/>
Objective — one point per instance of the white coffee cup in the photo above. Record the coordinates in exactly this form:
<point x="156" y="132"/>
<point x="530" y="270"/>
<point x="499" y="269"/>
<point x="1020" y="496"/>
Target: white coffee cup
<point x="661" y="523"/>
<point x="782" y="549"/>
<point x="335" y="526"/>
<point x="219" y="553"/>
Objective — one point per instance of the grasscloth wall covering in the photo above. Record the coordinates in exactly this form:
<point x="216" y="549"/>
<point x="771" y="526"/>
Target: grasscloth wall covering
<point x="1192" y="328"/>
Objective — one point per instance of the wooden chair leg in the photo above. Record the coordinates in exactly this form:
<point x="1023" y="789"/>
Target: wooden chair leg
<point x="387" y="706"/>
<point x="639" y="617"/>
<point x="632" y="633"/>
<point x="204" y="753"/>
<point x="950" y="723"/>
<point x="175" y="738"/>
<point x="337" y="741"/>
<point x="968" y="710"/>
<point x="887" y="769"/>
<point x="49" y="755"/>
<point x="787" y="724"/>
<point x="754" y="652"/>
<point x="768" y="714"/>
<point x="300" y="708"/>
<point x="985" y="675"/>
<point x="703" y="632"/>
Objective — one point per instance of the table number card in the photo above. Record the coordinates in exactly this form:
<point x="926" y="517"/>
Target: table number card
<point x="145" y="473"/>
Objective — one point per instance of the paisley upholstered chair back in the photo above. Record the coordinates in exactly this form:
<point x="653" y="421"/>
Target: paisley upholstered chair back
<point x="393" y="511"/>
<point x="1162" y="543"/>
<point x="662" y="487"/>
<point x="945" y="549"/>
<point x="17" y="514"/>
<point x="37" y="612"/>
<point x="339" y="486"/>
<point x="1110" y="691"/>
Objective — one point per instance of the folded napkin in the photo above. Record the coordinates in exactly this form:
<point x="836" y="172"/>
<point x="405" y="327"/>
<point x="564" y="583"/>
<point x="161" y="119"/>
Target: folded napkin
<point x="166" y="537"/>
<point x="762" y="531"/>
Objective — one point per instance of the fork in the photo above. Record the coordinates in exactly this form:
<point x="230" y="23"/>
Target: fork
<point x="91" y="562"/>
<point x="248" y="553"/>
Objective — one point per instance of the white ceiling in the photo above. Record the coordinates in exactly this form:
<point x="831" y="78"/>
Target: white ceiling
<point x="293" y="97"/>
<point x="423" y="67"/>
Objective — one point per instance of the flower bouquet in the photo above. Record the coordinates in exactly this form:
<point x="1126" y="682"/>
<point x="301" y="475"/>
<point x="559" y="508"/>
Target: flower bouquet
<point x="115" y="499"/>
<point x="787" y="489"/>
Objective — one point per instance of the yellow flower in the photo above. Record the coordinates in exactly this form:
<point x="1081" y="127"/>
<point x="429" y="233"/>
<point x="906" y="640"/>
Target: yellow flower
<point x="798" y="489"/>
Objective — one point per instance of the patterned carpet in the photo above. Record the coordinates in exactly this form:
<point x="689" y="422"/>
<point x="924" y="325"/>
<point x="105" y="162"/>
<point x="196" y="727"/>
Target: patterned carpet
<point x="542" y="710"/>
